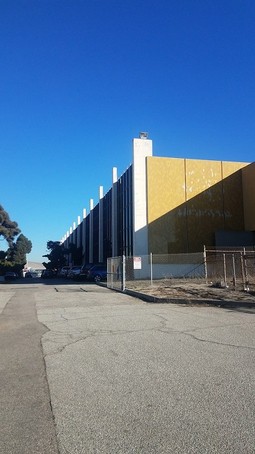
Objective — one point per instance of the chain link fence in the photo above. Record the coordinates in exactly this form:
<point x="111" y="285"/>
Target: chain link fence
<point x="231" y="267"/>
<point x="116" y="273"/>
<point x="222" y="267"/>
<point x="123" y="271"/>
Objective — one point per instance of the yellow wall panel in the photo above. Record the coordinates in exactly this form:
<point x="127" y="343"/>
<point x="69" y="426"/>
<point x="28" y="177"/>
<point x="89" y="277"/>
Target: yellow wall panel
<point x="165" y="185"/>
<point x="204" y="202"/>
<point x="189" y="200"/>
<point x="248" y="181"/>
<point x="233" y="196"/>
<point x="166" y="204"/>
<point x="201" y="175"/>
<point x="228" y="168"/>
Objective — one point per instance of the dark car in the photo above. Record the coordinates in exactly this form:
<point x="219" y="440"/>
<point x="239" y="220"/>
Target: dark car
<point x="63" y="272"/>
<point x="82" y="276"/>
<point x="97" y="273"/>
<point x="10" y="276"/>
<point x="47" y="274"/>
<point x="73" y="272"/>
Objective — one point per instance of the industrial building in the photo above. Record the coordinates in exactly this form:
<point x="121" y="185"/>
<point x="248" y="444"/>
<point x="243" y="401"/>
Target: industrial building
<point x="168" y="205"/>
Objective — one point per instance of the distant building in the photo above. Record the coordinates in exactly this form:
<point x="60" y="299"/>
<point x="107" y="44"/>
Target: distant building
<point x="168" y="205"/>
<point x="34" y="265"/>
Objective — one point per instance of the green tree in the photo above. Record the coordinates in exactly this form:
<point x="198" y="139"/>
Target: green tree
<point x="17" y="253"/>
<point x="15" y="257"/>
<point x="56" y="255"/>
<point x="3" y="255"/>
<point x="8" y="229"/>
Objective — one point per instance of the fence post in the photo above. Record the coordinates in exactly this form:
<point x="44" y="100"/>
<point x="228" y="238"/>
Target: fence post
<point x="123" y="273"/>
<point x="242" y="269"/>
<point x="245" y="270"/>
<point x="225" y="270"/>
<point x="234" y="270"/>
<point x="205" y="265"/>
<point x="151" y="267"/>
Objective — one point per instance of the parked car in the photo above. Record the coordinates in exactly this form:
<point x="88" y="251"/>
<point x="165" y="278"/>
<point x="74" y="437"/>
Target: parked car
<point x="33" y="273"/>
<point x="48" y="274"/>
<point x="36" y="273"/>
<point x="73" y="272"/>
<point x="10" y="276"/>
<point x="63" y="272"/>
<point x="97" y="273"/>
<point x="82" y="276"/>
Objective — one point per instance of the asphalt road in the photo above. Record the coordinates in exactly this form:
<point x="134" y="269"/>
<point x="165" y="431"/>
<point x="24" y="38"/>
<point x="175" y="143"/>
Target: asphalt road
<point x="87" y="370"/>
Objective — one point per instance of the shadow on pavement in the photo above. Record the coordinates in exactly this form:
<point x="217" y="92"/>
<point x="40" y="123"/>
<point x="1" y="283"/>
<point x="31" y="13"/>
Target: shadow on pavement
<point x="51" y="281"/>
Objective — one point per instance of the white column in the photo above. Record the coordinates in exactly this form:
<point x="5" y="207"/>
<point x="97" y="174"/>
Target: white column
<point x="100" y="227"/>
<point x="114" y="211"/>
<point x="141" y="149"/>
<point x="83" y="235"/>
<point x="78" y="239"/>
<point x="91" y="206"/>
<point x="67" y="237"/>
<point x="70" y="242"/>
<point x="66" y="244"/>
<point x="74" y="233"/>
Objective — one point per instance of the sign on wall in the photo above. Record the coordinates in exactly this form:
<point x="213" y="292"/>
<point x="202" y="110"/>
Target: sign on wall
<point x="137" y="263"/>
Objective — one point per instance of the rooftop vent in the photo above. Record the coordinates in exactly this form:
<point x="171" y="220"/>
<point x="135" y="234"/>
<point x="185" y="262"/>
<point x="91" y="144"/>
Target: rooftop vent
<point x="143" y="135"/>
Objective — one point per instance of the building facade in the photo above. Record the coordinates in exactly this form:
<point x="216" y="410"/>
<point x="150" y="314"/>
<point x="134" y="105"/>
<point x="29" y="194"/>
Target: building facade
<point x="168" y="205"/>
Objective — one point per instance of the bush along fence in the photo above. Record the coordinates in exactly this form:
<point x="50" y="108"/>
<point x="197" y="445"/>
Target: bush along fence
<point x="223" y="267"/>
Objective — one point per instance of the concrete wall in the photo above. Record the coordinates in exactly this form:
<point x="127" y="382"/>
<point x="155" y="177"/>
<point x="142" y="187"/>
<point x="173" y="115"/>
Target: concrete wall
<point x="141" y="149"/>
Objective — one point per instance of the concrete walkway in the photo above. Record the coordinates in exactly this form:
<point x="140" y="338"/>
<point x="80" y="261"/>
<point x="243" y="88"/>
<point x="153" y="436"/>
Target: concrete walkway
<point x="27" y="424"/>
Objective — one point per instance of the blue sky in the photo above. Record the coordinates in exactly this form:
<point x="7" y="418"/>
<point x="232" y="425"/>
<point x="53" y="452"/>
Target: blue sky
<point x="80" y="79"/>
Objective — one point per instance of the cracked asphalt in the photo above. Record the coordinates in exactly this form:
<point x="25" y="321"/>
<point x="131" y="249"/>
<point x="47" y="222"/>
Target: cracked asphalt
<point x="94" y="371"/>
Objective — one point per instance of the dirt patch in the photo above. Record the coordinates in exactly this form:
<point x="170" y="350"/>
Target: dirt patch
<point x="194" y="291"/>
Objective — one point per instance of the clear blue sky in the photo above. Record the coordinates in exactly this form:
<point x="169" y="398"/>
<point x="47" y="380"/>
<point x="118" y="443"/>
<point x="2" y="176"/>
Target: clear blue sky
<point x="80" y="79"/>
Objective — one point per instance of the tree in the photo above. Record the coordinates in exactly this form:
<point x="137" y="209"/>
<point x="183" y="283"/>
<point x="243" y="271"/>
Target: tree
<point x="3" y="255"/>
<point x="8" y="229"/>
<point x="17" y="253"/>
<point x="56" y="255"/>
<point x="15" y="257"/>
